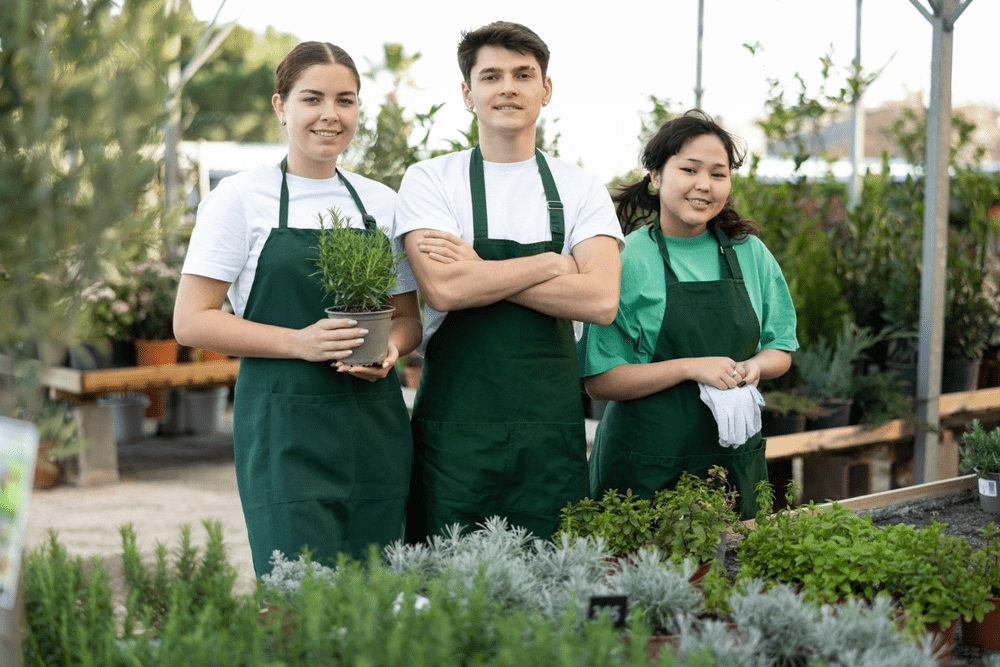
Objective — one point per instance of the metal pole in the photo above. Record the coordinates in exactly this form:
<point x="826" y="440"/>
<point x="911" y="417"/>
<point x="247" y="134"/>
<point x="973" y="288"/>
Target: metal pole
<point x="858" y="121"/>
<point x="171" y="169"/>
<point x="935" y="244"/>
<point x="697" y="77"/>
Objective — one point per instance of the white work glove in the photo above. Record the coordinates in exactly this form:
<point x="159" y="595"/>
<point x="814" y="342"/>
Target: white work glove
<point x="736" y="411"/>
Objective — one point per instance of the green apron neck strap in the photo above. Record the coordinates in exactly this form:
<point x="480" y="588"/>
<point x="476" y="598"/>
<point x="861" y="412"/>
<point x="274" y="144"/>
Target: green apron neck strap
<point x="727" y="255"/>
<point x="283" y="202"/>
<point x="657" y="234"/>
<point x="726" y="250"/>
<point x="477" y="184"/>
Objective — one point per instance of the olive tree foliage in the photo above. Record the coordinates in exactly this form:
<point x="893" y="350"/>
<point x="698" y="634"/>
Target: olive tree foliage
<point x="229" y="97"/>
<point x="81" y="112"/>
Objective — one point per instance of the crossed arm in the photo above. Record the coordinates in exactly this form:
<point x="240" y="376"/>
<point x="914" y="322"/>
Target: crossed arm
<point x="631" y="381"/>
<point x="582" y="286"/>
<point x="199" y="321"/>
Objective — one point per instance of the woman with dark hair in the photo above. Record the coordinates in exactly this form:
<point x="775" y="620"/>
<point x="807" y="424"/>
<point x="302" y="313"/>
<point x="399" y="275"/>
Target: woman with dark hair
<point x="323" y="448"/>
<point x="703" y="308"/>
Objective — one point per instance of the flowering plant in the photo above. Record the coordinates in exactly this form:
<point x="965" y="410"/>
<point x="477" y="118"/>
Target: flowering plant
<point x="136" y="303"/>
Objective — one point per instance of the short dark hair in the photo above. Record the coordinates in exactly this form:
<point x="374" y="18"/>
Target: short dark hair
<point x="507" y="35"/>
<point x="304" y="55"/>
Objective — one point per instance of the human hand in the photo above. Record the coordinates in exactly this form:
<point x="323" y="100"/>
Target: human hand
<point x="372" y="373"/>
<point x="569" y="265"/>
<point x="446" y="248"/>
<point x="718" y="372"/>
<point x="327" y="339"/>
<point x="749" y="372"/>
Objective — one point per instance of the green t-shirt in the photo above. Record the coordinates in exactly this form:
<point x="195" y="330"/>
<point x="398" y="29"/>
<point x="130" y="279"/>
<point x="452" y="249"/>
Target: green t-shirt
<point x="631" y="338"/>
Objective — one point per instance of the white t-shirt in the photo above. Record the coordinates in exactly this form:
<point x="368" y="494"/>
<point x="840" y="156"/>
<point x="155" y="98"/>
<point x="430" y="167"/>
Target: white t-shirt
<point x="435" y="194"/>
<point x="236" y="218"/>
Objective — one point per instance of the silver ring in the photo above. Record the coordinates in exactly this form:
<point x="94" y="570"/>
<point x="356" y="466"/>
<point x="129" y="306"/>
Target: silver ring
<point x="734" y="373"/>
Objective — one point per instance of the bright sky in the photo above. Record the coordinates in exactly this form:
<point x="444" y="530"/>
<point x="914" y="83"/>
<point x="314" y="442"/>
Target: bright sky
<point x="608" y="57"/>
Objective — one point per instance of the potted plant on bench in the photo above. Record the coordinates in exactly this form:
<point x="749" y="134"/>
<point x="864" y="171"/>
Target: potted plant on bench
<point x="980" y="453"/>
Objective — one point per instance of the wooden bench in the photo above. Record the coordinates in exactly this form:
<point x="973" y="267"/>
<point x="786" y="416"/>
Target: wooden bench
<point x="854" y="460"/>
<point x="98" y="464"/>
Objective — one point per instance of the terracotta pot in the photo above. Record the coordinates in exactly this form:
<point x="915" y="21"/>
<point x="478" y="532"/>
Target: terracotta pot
<point x="156" y="353"/>
<point x="198" y="354"/>
<point x="986" y="633"/>
<point x="944" y="641"/>
<point x="378" y="323"/>
<point x="699" y="574"/>
<point x="412" y="376"/>
<point x="46" y="468"/>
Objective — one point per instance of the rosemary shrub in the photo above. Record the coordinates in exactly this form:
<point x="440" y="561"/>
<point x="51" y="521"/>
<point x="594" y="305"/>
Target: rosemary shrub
<point x="356" y="268"/>
<point x="980" y="449"/>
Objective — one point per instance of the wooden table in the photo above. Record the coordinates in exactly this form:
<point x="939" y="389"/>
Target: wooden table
<point x="98" y="464"/>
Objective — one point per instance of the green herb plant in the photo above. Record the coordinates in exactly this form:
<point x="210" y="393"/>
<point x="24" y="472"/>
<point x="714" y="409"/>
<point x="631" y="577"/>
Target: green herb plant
<point x="693" y="517"/>
<point x="624" y="520"/>
<point x="356" y="268"/>
<point x="980" y="451"/>
<point x="933" y="575"/>
<point x="988" y="559"/>
<point x="828" y="550"/>
<point x="686" y="521"/>
<point x="784" y="402"/>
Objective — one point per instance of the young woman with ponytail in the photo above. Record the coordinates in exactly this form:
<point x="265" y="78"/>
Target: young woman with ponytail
<point x="703" y="302"/>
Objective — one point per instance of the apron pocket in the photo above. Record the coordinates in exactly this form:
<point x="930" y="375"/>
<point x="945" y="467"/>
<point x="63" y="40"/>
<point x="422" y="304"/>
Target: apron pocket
<point x="546" y="468"/>
<point x="337" y="447"/>
<point x="463" y="466"/>
<point x="646" y="475"/>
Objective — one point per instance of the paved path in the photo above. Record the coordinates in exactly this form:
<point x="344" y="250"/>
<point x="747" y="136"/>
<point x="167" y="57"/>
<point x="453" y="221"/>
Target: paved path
<point x="167" y="482"/>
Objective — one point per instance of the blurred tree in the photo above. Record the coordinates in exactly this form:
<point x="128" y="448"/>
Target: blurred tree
<point x="394" y="139"/>
<point x="229" y="98"/>
<point x="81" y="115"/>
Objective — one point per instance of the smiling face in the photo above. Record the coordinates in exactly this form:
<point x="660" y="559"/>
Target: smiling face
<point x="507" y="90"/>
<point x="321" y="115"/>
<point x="694" y="185"/>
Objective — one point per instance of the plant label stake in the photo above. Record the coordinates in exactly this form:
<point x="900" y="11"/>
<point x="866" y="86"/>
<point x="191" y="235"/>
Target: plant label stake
<point x="615" y="607"/>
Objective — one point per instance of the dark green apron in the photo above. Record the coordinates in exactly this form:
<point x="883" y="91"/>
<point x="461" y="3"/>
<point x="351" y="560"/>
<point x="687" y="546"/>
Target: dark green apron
<point x="645" y="444"/>
<point x="322" y="458"/>
<point x="498" y="423"/>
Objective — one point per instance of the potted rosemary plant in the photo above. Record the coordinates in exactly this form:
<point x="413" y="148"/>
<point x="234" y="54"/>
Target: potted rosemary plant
<point x="356" y="269"/>
<point x="980" y="453"/>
